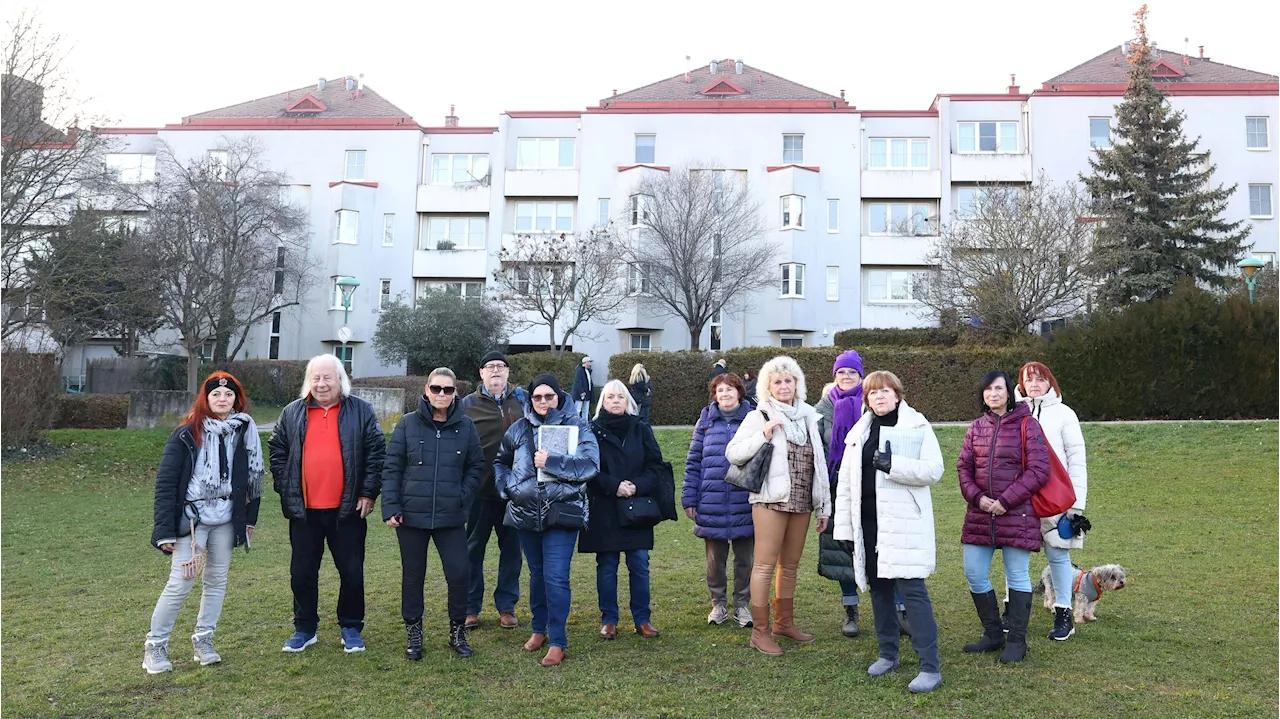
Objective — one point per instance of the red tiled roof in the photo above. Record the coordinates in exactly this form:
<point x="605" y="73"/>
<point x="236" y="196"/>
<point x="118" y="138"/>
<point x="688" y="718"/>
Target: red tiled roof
<point x="1112" y="67"/>
<point x="756" y="85"/>
<point x="339" y="103"/>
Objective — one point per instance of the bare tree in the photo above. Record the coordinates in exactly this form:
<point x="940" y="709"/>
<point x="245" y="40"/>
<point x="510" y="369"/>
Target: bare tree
<point x="1019" y="255"/>
<point x="698" y="236"/>
<point x="561" y="282"/>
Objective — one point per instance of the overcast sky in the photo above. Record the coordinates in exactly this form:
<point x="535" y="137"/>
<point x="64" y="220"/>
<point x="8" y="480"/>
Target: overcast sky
<point x="147" y="62"/>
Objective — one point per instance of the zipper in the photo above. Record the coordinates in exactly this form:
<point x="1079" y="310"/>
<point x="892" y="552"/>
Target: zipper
<point x="991" y="471"/>
<point x="435" y="477"/>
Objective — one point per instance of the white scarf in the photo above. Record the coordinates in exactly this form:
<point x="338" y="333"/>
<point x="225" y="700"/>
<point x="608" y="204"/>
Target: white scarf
<point x="794" y="419"/>
<point x="208" y="475"/>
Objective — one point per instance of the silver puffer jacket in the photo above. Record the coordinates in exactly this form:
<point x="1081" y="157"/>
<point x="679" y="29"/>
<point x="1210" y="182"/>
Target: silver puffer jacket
<point x="529" y="502"/>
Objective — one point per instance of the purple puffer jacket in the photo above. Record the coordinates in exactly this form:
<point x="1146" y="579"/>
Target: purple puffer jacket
<point x="991" y="466"/>
<point x="724" y="511"/>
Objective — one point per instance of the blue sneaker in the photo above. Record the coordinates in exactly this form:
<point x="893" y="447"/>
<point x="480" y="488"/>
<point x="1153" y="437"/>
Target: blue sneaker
<point x="299" y="641"/>
<point x="351" y="641"/>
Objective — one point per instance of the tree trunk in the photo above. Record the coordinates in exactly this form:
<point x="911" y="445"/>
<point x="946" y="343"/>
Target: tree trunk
<point x="556" y="350"/>
<point x="193" y="369"/>
<point x="695" y="336"/>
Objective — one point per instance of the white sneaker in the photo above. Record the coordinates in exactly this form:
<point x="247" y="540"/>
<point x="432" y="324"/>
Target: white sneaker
<point x="719" y="613"/>
<point x="203" y="647"/>
<point x="155" y="658"/>
<point x="742" y="615"/>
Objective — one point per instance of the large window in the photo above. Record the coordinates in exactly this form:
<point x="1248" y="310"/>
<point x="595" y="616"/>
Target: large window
<point x="791" y="341"/>
<point x="602" y="211"/>
<point x="452" y="233"/>
<point x="273" y="343"/>
<point x="345" y="354"/>
<point x="453" y="169"/>
<point x="988" y="137"/>
<point x="1260" y="201"/>
<point x="278" y="285"/>
<point x="898" y="153"/>
<point x="355" y="165"/>
<point x="968" y="200"/>
<point x="793" y="279"/>
<point x="900" y="218"/>
<point x="346" y="227"/>
<point x="638" y="278"/>
<point x="536" y="153"/>
<point x="1255" y="133"/>
<point x="638" y="210"/>
<point x="793" y="149"/>
<point x="133" y="167"/>
<point x="641" y="342"/>
<point x="792" y="212"/>
<point x="544" y="217"/>
<point x="466" y="289"/>
<point x="384" y="294"/>
<point x="716" y="333"/>
<point x="336" y="295"/>
<point x="890" y="286"/>
<point x="1099" y="132"/>
<point x="645" y="148"/>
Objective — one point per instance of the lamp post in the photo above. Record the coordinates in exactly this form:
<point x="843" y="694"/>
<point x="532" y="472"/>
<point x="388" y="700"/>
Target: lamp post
<point x="347" y="285"/>
<point x="1250" y="266"/>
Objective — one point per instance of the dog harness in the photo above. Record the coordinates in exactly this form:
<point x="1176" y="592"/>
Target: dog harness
<point x="1092" y="590"/>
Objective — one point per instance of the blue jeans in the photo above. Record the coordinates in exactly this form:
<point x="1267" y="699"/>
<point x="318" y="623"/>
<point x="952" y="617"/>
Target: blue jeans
<point x="849" y="595"/>
<point x="584" y="409"/>
<point x="549" y="554"/>
<point x="486" y="519"/>
<point x="607" y="585"/>
<point x="1063" y="574"/>
<point x="977" y="568"/>
<point x="644" y="413"/>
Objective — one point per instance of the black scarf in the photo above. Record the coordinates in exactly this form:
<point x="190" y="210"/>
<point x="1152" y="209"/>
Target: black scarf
<point x="618" y="425"/>
<point x="868" y="450"/>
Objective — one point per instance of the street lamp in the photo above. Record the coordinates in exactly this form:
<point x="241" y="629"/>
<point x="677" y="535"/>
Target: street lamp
<point x="347" y="285"/>
<point x="1250" y="266"/>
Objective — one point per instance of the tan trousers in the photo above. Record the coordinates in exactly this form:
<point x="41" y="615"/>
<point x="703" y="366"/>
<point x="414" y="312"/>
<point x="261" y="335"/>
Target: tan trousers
<point x="779" y="543"/>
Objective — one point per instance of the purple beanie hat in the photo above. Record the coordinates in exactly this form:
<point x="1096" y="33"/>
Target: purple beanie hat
<point x="848" y="360"/>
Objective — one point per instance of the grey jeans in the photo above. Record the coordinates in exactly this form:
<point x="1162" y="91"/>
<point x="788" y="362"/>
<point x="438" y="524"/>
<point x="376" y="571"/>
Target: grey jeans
<point x="717" y="578"/>
<point x="219" y="539"/>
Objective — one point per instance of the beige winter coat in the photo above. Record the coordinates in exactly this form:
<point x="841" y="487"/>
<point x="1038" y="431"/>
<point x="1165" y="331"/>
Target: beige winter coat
<point x="777" y="486"/>
<point x="1062" y="430"/>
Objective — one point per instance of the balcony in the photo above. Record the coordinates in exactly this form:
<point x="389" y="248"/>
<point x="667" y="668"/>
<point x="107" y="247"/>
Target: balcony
<point x="889" y="184"/>
<point x="469" y="197"/>
<point x="451" y="263"/>
<point x="896" y="250"/>
<point x="540" y="183"/>
<point x="990" y="168"/>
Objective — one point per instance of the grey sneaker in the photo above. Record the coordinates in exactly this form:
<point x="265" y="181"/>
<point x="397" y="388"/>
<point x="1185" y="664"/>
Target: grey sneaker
<point x="882" y="667"/>
<point x="742" y="615"/>
<point x="203" y="646"/>
<point x="925" y="682"/>
<point x="719" y="613"/>
<point x="155" y="658"/>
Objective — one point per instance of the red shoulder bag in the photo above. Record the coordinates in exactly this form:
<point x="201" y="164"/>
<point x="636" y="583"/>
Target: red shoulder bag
<point x="1058" y="494"/>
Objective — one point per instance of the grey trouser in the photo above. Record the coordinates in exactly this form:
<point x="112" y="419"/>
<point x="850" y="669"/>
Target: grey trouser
<point x="219" y="539"/>
<point x="717" y="579"/>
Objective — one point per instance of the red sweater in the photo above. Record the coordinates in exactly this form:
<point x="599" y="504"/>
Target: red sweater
<point x="322" y="459"/>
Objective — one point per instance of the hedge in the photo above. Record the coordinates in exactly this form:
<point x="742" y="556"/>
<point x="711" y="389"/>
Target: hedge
<point x="91" y="411"/>
<point x="26" y="406"/>
<point x="412" y="386"/>
<point x="913" y="337"/>
<point x="268" y="382"/>
<point x="527" y="365"/>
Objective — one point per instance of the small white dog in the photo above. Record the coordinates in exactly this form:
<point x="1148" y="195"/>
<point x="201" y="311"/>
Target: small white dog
<point x="1087" y="588"/>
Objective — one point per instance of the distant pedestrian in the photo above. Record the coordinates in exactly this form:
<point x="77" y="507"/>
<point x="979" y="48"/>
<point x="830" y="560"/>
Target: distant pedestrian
<point x="720" y="367"/>
<point x="749" y="384"/>
<point x="583" y="390"/>
<point x="642" y="391"/>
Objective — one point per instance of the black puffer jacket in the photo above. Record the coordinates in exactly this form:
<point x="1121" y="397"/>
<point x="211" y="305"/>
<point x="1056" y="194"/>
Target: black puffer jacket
<point x="433" y="469"/>
<point x="634" y="457"/>
<point x="363" y="451"/>
<point x="528" y="500"/>
<point x="177" y="464"/>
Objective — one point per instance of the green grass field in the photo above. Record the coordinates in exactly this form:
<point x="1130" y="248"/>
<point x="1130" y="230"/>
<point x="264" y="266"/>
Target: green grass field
<point x="1189" y="509"/>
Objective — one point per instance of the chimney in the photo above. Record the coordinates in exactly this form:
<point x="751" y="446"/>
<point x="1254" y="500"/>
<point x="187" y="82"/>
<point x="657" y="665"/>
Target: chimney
<point x="350" y="83"/>
<point x="320" y="85"/>
<point x="687" y="67"/>
<point x="1202" y="52"/>
<point x="715" y="67"/>
<point x="451" y="120"/>
<point x="360" y="83"/>
<point x="737" y="67"/>
<point x="842" y="94"/>
<point x="1013" y="85"/>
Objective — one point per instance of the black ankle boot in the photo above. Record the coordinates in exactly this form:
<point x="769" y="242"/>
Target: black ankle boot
<point x="1015" y="648"/>
<point x="458" y="639"/>
<point x="1063" y="624"/>
<point x="850" y="628"/>
<point x="413" y="646"/>
<point x="989" y="614"/>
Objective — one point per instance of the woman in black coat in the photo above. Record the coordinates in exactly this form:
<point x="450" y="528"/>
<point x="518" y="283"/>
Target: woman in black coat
<point x="630" y="464"/>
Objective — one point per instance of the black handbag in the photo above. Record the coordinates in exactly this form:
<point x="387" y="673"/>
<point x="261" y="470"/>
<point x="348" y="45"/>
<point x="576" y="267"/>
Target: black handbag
<point x="566" y="515"/>
<point x="666" y="493"/>
<point x="751" y="475"/>
<point x="638" y="512"/>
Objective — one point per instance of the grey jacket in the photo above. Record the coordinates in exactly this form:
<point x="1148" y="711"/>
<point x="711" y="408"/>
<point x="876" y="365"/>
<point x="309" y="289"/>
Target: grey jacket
<point x="529" y="502"/>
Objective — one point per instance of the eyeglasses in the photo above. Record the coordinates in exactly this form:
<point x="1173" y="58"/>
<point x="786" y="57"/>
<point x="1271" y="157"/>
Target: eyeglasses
<point x="543" y="397"/>
<point x="437" y="389"/>
<point x="494" y="367"/>
<point x="847" y="373"/>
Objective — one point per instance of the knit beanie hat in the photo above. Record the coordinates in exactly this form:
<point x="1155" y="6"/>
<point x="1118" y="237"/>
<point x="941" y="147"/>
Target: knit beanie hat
<point x="848" y="360"/>
<point x="547" y="379"/>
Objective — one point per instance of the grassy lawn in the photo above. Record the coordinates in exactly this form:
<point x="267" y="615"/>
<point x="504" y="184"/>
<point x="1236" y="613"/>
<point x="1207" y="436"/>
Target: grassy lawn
<point x="1190" y="510"/>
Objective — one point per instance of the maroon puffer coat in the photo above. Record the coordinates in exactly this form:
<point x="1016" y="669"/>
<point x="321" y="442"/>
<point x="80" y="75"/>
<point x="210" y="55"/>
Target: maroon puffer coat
<point x="991" y="466"/>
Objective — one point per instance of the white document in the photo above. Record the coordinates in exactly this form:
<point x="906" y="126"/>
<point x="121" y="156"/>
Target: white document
<point x="904" y="442"/>
<point x="557" y="439"/>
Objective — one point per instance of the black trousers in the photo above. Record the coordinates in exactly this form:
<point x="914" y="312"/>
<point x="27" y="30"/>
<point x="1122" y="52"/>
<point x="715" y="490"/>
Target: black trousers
<point x="346" y="544"/>
<point x="451" y="546"/>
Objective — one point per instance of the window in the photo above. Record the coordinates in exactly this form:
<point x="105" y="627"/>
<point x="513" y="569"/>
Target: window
<point x="1255" y="133"/>
<point x="1099" y="132"/>
<point x="900" y="219"/>
<point x="898" y="153"/>
<point x="988" y="137"/>
<point x="602" y="211"/>
<point x="833" y="215"/>
<point x="346" y="228"/>
<point x="793" y="279"/>
<point x="641" y="342"/>
<point x="639" y="211"/>
<point x="278" y="287"/>
<point x="466" y="289"/>
<point x="717" y="331"/>
<point x="544" y="217"/>
<point x="133" y="167"/>
<point x="388" y="230"/>
<point x="1260" y="201"/>
<point x="337" y="296"/>
<point x="793" y="149"/>
<point x="452" y="233"/>
<point x="789" y="341"/>
<point x="638" y="278"/>
<point x="890" y="286"/>
<point x="220" y="163"/>
<point x="344" y="353"/>
<point x="454" y="169"/>
<point x="273" y="344"/>
<point x="968" y="199"/>
<point x="384" y="294"/>
<point x="544" y="154"/>
<point x="833" y="284"/>
<point x="792" y="212"/>
<point x="355" y="165"/>
<point x="645" y="148"/>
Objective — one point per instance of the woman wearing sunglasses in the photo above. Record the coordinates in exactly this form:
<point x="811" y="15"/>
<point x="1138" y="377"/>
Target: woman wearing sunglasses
<point x="431" y="476"/>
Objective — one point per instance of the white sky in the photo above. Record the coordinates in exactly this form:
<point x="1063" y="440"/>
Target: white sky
<point x="150" y="62"/>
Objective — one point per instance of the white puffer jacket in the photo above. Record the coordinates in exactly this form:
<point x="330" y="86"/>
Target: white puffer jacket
<point x="904" y="505"/>
<point x="1062" y="430"/>
<point x="777" y="486"/>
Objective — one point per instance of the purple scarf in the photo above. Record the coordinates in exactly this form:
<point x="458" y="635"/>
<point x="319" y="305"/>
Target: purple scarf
<point x="847" y="409"/>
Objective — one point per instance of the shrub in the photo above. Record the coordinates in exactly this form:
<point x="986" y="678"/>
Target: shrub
<point x="26" y="396"/>
<point x="679" y="382"/>
<point x="527" y="365"/>
<point x="268" y="382"/>
<point x="91" y="411"/>
<point x="412" y="386"/>
<point x="915" y="337"/>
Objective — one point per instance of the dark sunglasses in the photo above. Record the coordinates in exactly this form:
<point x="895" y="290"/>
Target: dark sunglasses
<point x="543" y="397"/>
<point x="437" y="389"/>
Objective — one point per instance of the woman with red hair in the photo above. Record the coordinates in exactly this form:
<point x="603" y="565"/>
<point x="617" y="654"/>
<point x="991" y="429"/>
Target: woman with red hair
<point x="208" y="489"/>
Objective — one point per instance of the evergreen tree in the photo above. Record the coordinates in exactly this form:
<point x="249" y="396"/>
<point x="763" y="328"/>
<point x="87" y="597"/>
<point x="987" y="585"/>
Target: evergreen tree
<point x="1162" y="217"/>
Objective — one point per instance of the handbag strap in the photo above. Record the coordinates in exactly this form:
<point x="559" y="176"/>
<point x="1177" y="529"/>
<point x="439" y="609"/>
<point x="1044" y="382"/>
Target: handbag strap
<point x="1024" y="442"/>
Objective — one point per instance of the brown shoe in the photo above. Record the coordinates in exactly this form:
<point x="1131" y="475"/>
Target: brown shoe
<point x="535" y="642"/>
<point x="647" y="630"/>
<point x="784" y="622"/>
<point x="472" y="622"/>
<point x="507" y="620"/>
<point x="760" y="637"/>
<point x="555" y="655"/>
<point x="608" y="632"/>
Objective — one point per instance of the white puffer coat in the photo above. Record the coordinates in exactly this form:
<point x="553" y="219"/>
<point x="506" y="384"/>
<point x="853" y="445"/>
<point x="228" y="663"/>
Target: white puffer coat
<point x="1062" y="430"/>
<point x="777" y="486"/>
<point x="904" y="505"/>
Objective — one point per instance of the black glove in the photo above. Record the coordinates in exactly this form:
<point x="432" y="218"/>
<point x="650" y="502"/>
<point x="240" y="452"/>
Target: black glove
<point x="883" y="461"/>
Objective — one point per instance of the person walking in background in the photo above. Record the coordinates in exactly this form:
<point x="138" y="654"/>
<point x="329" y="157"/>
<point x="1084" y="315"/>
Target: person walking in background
<point x="1004" y="461"/>
<point x="880" y="487"/>
<point x="547" y="511"/>
<point x="583" y="389"/>
<point x="432" y="474"/>
<point x="327" y="453"/>
<point x="796" y="488"/>
<point x="720" y="367"/>
<point x="630" y="462"/>
<point x="494" y="407"/>
<point x="208" y="490"/>
<point x="641" y="391"/>
<point x="749" y="382"/>
<point x="721" y="512"/>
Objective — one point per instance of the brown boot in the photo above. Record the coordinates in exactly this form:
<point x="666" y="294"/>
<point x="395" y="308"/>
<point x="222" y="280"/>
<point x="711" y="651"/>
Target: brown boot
<point x="784" y="622"/>
<point x="760" y="638"/>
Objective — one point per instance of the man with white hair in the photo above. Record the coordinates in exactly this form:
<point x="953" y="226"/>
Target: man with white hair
<point x="327" y="452"/>
<point x="583" y="390"/>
